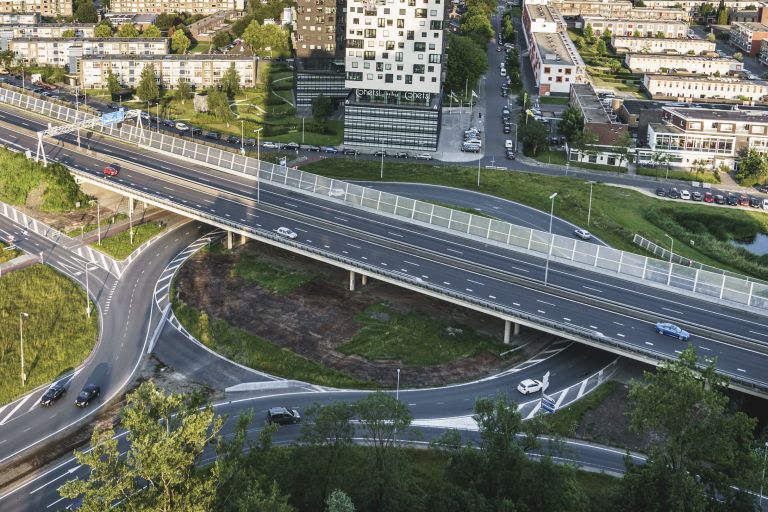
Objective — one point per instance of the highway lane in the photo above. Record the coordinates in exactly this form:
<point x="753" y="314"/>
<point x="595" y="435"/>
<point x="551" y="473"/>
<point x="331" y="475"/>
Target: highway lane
<point x="699" y="316"/>
<point x="126" y="323"/>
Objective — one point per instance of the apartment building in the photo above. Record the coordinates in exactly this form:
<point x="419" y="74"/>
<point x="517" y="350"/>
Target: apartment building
<point x="41" y="7"/>
<point x="44" y="30"/>
<point x="394" y="67"/>
<point x="200" y="70"/>
<point x="671" y="63"/>
<point x="747" y="36"/>
<point x="692" y="6"/>
<point x="539" y="16"/>
<point x="600" y="120"/>
<point x="606" y="8"/>
<point x="636" y="27"/>
<point x="65" y="51"/>
<point x="189" y="6"/>
<point x="629" y="44"/>
<point x="683" y="88"/>
<point x="716" y="136"/>
<point x="19" y="18"/>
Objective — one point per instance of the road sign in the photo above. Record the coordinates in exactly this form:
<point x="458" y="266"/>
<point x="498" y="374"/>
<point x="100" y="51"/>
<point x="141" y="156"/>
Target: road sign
<point x="545" y="382"/>
<point x="548" y="404"/>
<point x="113" y="118"/>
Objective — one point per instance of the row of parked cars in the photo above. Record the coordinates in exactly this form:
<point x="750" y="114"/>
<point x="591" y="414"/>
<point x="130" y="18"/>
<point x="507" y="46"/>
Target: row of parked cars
<point x="713" y="197"/>
<point x="473" y="142"/>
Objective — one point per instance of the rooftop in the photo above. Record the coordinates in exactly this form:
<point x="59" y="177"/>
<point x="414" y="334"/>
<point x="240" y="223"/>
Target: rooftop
<point x="191" y="57"/>
<point x="539" y="11"/>
<point x="636" y="106"/>
<point x="589" y="104"/>
<point x="599" y="19"/>
<point x="90" y="39"/>
<point x="708" y="79"/>
<point x="752" y="26"/>
<point x="677" y="56"/>
<point x="47" y="25"/>
<point x="738" y="115"/>
<point x="553" y="49"/>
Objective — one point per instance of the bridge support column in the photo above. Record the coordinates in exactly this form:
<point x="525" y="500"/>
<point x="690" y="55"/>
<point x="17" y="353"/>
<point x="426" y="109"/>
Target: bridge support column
<point x="229" y="240"/>
<point x="365" y="279"/>
<point x="243" y="239"/>
<point x="351" y="281"/>
<point x="507" y="326"/>
<point x="517" y="330"/>
<point x="131" y="206"/>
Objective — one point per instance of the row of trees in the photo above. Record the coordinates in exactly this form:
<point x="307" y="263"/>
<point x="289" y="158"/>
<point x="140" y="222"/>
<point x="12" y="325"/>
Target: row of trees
<point x="703" y="457"/>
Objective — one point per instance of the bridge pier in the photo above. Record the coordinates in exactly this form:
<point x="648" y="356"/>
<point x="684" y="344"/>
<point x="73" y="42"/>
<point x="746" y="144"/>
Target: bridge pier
<point x="351" y="281"/>
<point x="517" y="330"/>
<point x="243" y="239"/>
<point x="229" y="240"/>
<point x="365" y="279"/>
<point x="508" y="327"/>
<point x="131" y="206"/>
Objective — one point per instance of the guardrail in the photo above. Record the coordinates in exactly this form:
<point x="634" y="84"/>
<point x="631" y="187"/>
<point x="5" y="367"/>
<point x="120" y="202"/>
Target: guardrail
<point x="716" y="287"/>
<point x="576" y="332"/>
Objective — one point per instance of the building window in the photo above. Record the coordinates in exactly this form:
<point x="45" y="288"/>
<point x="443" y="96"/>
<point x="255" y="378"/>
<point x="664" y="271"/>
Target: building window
<point x="418" y="69"/>
<point x="420" y="13"/>
<point x="370" y="33"/>
<point x="435" y="24"/>
<point x="398" y="56"/>
<point x="388" y="78"/>
<point x="434" y="58"/>
<point x="419" y="47"/>
<point x="354" y="76"/>
<point x="409" y="35"/>
<point x="408" y="79"/>
<point x="369" y="55"/>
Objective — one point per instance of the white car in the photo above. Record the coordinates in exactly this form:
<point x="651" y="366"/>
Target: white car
<point x="182" y="127"/>
<point x="529" y="386"/>
<point x="423" y="156"/>
<point x="286" y="232"/>
<point x="503" y="72"/>
<point x="684" y="194"/>
<point x="583" y="234"/>
<point x="509" y="144"/>
<point x="271" y="145"/>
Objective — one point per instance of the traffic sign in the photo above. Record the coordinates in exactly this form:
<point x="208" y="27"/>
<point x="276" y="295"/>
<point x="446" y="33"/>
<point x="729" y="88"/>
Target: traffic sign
<point x="113" y="118"/>
<point x="548" y="404"/>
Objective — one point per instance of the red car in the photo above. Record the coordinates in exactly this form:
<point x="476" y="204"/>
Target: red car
<point x="743" y="200"/>
<point x="709" y="197"/>
<point x="111" y="170"/>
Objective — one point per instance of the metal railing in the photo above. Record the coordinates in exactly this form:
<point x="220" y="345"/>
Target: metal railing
<point x="714" y="286"/>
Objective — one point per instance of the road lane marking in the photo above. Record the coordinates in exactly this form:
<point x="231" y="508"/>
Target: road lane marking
<point x="566" y="319"/>
<point x="491" y="296"/>
<point x="545" y="302"/>
<point x="355" y="246"/>
<point x="672" y="311"/>
<point x="516" y="304"/>
<point x="55" y="502"/>
<point x="619" y="323"/>
<point x="446" y="282"/>
<point x="593" y="289"/>
<point x="759" y="333"/>
<point x="411" y="263"/>
<point x="741" y="370"/>
<point x="476" y="282"/>
<point x="649" y="343"/>
<point x="453" y="250"/>
<point x="620" y="335"/>
<point x="541" y="311"/>
<point x="395" y="234"/>
<point x="13" y="411"/>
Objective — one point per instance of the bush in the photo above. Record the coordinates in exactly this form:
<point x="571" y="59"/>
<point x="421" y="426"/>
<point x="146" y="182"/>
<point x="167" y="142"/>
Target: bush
<point x="274" y="100"/>
<point x="271" y="130"/>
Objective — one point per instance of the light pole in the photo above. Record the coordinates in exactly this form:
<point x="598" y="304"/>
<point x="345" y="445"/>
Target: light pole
<point x="478" y="171"/>
<point x="77" y="111"/>
<point x="87" y="291"/>
<point x="397" y="394"/>
<point x="258" y="161"/>
<point x="158" y="117"/>
<point x="589" y="209"/>
<point x="302" y="130"/>
<point x="98" y="217"/>
<point x="551" y="238"/>
<point x="242" y="137"/>
<point x="22" y="315"/>
<point x="381" y="174"/>
<point x="671" y="253"/>
<point x="765" y="452"/>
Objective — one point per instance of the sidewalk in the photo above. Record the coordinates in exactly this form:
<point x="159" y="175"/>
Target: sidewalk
<point x="455" y="120"/>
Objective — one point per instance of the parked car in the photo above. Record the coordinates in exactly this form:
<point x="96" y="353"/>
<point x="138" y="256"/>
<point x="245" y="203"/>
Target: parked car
<point x="470" y="148"/>
<point x="170" y="123"/>
<point x="89" y="392"/>
<point x="111" y="170"/>
<point x="685" y="194"/>
<point x="423" y="156"/>
<point x="290" y="145"/>
<point x="283" y="416"/>
<point x="732" y="200"/>
<point x="507" y="128"/>
<point x="743" y="200"/>
<point x="250" y="142"/>
<point x="673" y="193"/>
<point x="195" y="131"/>
<point x="380" y="152"/>
<point x="286" y="232"/>
<point x="529" y="386"/>
<point x="719" y="199"/>
<point x="54" y="393"/>
<point x="696" y="195"/>
<point x="401" y="154"/>
<point x="144" y="116"/>
<point x="182" y="127"/>
<point x="270" y="145"/>
<point x="672" y="330"/>
<point x="709" y="197"/>
<point x="755" y="202"/>
<point x="583" y="234"/>
<point x="233" y="139"/>
<point x="349" y="151"/>
<point x="329" y="149"/>
<point x="312" y="147"/>
<point x="213" y="135"/>
<point x="661" y="192"/>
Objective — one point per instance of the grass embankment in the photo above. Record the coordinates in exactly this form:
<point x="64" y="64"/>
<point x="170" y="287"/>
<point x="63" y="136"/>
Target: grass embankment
<point x="91" y="226"/>
<point x="617" y="213"/>
<point x="7" y="254"/>
<point x="58" y="335"/>
<point x="49" y="189"/>
<point x="119" y="246"/>
<point x="565" y="421"/>
<point x="272" y="277"/>
<point x="413" y="338"/>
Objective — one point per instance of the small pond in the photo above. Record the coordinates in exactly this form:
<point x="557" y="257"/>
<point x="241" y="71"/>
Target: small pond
<point x="758" y="246"/>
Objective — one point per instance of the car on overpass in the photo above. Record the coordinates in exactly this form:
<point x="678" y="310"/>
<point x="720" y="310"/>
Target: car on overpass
<point x="89" y="393"/>
<point x="286" y="232"/>
<point x="529" y="386"/>
<point x="672" y="330"/>
<point x="583" y="234"/>
<point x="111" y="170"/>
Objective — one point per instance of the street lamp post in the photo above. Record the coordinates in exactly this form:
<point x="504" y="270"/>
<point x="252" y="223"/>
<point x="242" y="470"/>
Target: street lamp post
<point x="77" y="111"/>
<point x="551" y="237"/>
<point x="242" y="136"/>
<point x="22" y="315"/>
<point x="381" y="173"/>
<point x="258" y="162"/>
<point x="87" y="290"/>
<point x="397" y="392"/>
<point x="671" y="253"/>
<point x="765" y="452"/>
<point x="98" y="217"/>
<point x="478" y="171"/>
<point x="589" y="209"/>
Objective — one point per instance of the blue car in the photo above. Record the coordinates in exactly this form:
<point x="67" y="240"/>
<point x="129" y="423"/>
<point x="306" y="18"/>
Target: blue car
<point x="672" y="330"/>
<point x="330" y="149"/>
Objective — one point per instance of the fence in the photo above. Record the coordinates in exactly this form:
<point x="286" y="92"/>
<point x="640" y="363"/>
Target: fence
<point x="705" y="284"/>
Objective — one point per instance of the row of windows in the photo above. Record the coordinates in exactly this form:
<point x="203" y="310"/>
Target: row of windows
<point x="434" y="58"/>
<point x="418" y="69"/>
<point x="388" y="78"/>
<point x="711" y="87"/>
<point x="381" y="115"/>
<point x="700" y="144"/>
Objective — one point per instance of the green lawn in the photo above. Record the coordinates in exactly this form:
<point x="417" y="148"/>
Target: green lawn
<point x="707" y="177"/>
<point x="617" y="213"/>
<point x="414" y="338"/>
<point x="551" y="157"/>
<point x="9" y="254"/>
<point x="599" y="167"/>
<point x="119" y="246"/>
<point x="271" y="277"/>
<point x="58" y="335"/>
<point x="553" y="100"/>
<point x="200" y="47"/>
<point x="87" y="228"/>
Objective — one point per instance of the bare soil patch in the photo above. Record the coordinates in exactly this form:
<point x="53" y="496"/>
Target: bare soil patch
<point x="319" y="316"/>
<point x="608" y="423"/>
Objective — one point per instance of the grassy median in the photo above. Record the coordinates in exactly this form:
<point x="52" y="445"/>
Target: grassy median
<point x="58" y="335"/>
<point x="119" y="246"/>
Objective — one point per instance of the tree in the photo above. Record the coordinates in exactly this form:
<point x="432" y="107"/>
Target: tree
<point x="624" y="146"/>
<point x="179" y="42"/>
<point x="711" y="37"/>
<point x="705" y="457"/>
<point x="706" y="11"/>
<point x="102" y="30"/>
<point x="738" y="56"/>
<point x="127" y="30"/>
<point x="218" y="106"/>
<point x="322" y="108"/>
<point x="338" y="501"/>
<point x="70" y="32"/>
<point x="112" y="83"/>
<point x="571" y="124"/>
<point x="589" y="34"/>
<point x="151" y="31"/>
<point x="183" y="91"/>
<point x="6" y="57"/>
<point x="534" y="136"/>
<point x="752" y="166"/>
<point x="585" y="142"/>
<point x="601" y="49"/>
<point x="381" y="418"/>
<point x="221" y="39"/>
<point x="167" y="436"/>
<point x="86" y="12"/>
<point x="691" y="52"/>
<point x="239" y="26"/>
<point x="262" y="37"/>
<point x="148" y="89"/>
<point x="607" y="34"/>
<point x="230" y="81"/>
<point x="722" y="13"/>
<point x="639" y="3"/>
<point x="466" y="63"/>
<point x="478" y="28"/>
<point x="699" y="166"/>
<point x="167" y="20"/>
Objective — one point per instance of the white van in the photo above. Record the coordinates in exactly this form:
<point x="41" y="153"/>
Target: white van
<point x="503" y="72"/>
<point x="765" y="204"/>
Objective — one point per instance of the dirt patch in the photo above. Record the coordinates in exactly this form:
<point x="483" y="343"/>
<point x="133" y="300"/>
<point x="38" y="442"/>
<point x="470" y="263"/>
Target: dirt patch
<point x="609" y="422"/>
<point x="317" y="318"/>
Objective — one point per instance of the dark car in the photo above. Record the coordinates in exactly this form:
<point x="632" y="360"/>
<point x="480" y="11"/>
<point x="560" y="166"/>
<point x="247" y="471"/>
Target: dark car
<point x="291" y="145"/>
<point x="510" y="154"/>
<point x="696" y="195"/>
<point x="755" y="202"/>
<point x="762" y="188"/>
<point x="54" y="393"/>
<point x="504" y="93"/>
<point x="507" y="128"/>
<point x="401" y="154"/>
<point x="113" y="106"/>
<point x="349" y="151"/>
<point x="380" y="152"/>
<point x="283" y="416"/>
<point x="233" y="139"/>
<point x="719" y="199"/>
<point x="312" y="147"/>
<point x="250" y="142"/>
<point x="195" y="131"/>
<point x="89" y="392"/>
<point x="170" y="123"/>
<point x="732" y="200"/>
<point x="673" y="193"/>
<point x="661" y="192"/>
<point x="213" y="135"/>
